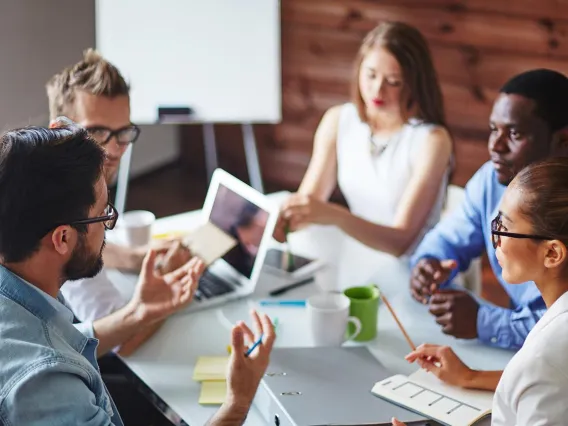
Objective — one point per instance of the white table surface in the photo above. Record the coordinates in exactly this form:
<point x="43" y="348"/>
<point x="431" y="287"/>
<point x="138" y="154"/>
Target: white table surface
<point x="165" y="363"/>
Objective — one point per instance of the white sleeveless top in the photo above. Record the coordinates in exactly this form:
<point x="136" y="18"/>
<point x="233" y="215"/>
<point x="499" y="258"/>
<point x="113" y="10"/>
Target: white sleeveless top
<point x="373" y="185"/>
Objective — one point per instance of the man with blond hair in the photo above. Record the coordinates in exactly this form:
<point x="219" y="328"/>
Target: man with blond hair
<point x="94" y="94"/>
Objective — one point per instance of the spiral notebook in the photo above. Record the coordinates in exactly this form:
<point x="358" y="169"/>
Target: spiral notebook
<point x="424" y="393"/>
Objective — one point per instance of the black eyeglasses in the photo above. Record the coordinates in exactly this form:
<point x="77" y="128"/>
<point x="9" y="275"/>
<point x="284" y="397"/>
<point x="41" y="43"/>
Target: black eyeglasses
<point x="497" y="233"/>
<point x="108" y="219"/>
<point x="124" y="136"/>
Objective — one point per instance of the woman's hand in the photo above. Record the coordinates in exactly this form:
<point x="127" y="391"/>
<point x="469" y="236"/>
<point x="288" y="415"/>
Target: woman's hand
<point x="302" y="209"/>
<point x="443" y="363"/>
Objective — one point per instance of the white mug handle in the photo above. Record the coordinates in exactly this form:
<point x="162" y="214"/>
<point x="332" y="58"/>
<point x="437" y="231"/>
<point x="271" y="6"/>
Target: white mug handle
<point x="357" y="323"/>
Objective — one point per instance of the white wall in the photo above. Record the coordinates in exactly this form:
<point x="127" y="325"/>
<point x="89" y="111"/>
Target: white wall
<point x="37" y="39"/>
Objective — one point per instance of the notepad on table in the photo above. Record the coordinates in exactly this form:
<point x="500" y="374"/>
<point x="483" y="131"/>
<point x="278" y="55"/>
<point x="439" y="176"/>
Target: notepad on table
<point x="213" y="392"/>
<point x="209" y="242"/>
<point x="424" y="393"/>
<point x="210" y="368"/>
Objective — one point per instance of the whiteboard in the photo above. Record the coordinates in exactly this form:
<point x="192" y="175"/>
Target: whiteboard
<point x="219" y="57"/>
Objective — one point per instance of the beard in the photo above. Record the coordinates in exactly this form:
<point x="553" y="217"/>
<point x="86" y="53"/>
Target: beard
<point x="83" y="264"/>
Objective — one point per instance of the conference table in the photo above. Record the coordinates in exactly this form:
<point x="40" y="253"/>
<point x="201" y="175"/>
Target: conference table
<point x="164" y="364"/>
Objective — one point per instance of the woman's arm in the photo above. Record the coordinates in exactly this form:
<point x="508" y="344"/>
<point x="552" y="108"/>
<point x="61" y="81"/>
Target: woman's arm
<point x="413" y="211"/>
<point x="445" y="365"/>
<point x="321" y="177"/>
<point x="484" y="380"/>
<point x="415" y="205"/>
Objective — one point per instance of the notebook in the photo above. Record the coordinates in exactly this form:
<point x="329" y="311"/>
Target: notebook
<point x="213" y="392"/>
<point x="210" y="368"/>
<point x="424" y="393"/>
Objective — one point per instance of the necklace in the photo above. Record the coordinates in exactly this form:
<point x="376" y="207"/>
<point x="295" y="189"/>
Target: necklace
<point x="377" y="149"/>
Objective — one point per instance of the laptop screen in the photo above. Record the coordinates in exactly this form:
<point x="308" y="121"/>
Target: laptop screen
<point x="245" y="222"/>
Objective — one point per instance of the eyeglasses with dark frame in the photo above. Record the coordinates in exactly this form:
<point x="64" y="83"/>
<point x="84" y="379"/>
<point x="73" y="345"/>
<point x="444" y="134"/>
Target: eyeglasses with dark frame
<point x="108" y="219"/>
<point x="496" y="233"/>
<point x="124" y="136"/>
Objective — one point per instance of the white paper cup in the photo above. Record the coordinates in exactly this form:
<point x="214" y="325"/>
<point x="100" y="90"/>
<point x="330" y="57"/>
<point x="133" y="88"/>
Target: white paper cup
<point x="137" y="227"/>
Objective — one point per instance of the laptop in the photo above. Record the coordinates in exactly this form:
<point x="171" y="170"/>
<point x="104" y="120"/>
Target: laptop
<point x="249" y="217"/>
<point x="245" y="215"/>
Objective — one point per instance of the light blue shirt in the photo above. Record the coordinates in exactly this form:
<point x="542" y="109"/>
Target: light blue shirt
<point x="463" y="236"/>
<point x="49" y="373"/>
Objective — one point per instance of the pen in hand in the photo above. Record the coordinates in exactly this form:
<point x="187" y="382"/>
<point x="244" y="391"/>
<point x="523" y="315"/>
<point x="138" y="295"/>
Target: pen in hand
<point x="253" y="347"/>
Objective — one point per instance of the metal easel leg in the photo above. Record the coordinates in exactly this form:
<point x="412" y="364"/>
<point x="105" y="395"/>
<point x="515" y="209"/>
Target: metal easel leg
<point x="211" y="162"/>
<point x="251" y="155"/>
<point x="122" y="183"/>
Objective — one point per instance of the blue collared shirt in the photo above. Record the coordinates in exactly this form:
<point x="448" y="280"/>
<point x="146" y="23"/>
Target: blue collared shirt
<point x="463" y="236"/>
<point x="49" y="372"/>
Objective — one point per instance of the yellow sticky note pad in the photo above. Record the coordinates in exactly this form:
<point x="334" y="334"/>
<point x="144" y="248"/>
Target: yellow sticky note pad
<point x="171" y="234"/>
<point x="210" y="368"/>
<point x="213" y="392"/>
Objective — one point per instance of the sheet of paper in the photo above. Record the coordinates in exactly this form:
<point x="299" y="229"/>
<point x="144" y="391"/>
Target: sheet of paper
<point x="210" y="368"/>
<point x="213" y="392"/>
<point x="209" y="242"/>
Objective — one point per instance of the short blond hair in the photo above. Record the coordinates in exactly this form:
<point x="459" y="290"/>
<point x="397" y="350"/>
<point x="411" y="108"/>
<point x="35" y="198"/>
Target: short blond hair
<point x="93" y="74"/>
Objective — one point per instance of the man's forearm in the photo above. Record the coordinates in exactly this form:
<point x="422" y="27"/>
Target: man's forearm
<point x="131" y="345"/>
<point x="117" y="328"/>
<point x="230" y="415"/>
<point x="122" y="257"/>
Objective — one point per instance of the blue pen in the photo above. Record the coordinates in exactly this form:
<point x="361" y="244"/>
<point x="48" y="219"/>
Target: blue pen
<point x="276" y="302"/>
<point x="253" y="347"/>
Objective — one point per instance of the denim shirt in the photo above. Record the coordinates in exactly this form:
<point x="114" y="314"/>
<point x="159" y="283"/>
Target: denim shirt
<point x="49" y="373"/>
<point x="463" y="236"/>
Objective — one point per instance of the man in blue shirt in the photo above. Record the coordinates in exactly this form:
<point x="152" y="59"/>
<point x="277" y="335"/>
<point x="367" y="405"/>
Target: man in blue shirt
<point x="54" y="211"/>
<point x="528" y="123"/>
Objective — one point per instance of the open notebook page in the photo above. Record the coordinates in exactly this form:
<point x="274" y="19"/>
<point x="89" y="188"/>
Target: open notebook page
<point x="422" y="392"/>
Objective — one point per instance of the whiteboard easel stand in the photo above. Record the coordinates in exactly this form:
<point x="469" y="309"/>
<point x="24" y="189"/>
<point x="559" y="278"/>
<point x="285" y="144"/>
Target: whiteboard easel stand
<point x="251" y="153"/>
<point x="211" y="162"/>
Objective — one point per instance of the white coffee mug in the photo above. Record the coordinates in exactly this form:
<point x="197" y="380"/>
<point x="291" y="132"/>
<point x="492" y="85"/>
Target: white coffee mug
<point x="137" y="226"/>
<point x="328" y="314"/>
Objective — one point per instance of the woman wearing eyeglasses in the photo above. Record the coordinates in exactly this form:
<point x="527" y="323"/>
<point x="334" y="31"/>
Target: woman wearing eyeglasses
<point x="530" y="236"/>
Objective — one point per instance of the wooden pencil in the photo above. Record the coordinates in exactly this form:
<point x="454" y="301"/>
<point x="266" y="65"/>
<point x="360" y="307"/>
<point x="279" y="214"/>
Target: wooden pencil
<point x="406" y="336"/>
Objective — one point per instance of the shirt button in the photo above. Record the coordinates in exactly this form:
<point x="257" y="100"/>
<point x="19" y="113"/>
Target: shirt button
<point x="494" y="340"/>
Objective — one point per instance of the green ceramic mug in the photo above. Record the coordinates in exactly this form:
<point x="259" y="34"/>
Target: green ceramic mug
<point x="365" y="306"/>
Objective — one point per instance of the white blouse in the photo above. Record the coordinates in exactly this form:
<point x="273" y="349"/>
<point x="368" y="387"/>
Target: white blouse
<point x="373" y="185"/>
<point x="533" y="390"/>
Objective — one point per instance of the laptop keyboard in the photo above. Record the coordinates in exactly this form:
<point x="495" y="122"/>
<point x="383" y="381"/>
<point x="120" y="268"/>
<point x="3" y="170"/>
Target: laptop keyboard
<point x="211" y="286"/>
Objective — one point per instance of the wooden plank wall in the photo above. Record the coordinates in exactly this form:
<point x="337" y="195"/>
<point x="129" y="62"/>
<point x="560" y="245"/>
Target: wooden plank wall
<point x="477" y="45"/>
